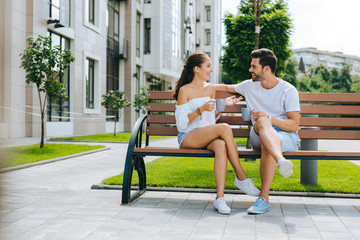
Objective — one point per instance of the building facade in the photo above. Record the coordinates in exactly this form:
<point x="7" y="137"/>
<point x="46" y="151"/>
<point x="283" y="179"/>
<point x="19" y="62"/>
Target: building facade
<point x="313" y="56"/>
<point x="116" y="44"/>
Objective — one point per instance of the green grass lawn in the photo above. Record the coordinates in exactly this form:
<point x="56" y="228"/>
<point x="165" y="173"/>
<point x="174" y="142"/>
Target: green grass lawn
<point x="13" y="156"/>
<point x="334" y="176"/>
<point x="120" y="137"/>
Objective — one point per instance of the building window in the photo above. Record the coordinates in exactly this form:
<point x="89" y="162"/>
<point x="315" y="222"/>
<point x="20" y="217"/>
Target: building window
<point x="147" y="36"/>
<point x="92" y="87"/>
<point x="60" y="10"/>
<point x="58" y="110"/>
<point x="176" y="27"/>
<point x="92" y="11"/>
<point x="207" y="37"/>
<point x="208" y="13"/>
<point x="92" y="14"/>
<point x="112" y="51"/>
<point x="138" y="35"/>
<point x="90" y="83"/>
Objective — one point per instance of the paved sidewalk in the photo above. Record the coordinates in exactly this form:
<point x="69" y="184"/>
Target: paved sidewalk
<point x="54" y="201"/>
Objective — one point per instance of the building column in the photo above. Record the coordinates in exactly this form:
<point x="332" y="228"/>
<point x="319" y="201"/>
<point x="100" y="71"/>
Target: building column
<point x="130" y="63"/>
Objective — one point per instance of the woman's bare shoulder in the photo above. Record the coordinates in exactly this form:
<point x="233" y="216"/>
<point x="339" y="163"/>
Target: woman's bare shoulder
<point x="183" y="96"/>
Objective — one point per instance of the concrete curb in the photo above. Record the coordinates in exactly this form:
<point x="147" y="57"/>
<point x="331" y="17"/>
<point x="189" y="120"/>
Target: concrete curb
<point x="27" y="165"/>
<point x="229" y="191"/>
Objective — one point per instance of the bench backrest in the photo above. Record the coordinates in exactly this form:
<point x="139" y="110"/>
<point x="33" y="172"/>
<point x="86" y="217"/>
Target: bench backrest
<point x="323" y="115"/>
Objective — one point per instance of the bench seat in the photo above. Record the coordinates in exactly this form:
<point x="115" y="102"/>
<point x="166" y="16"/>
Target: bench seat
<point x="244" y="153"/>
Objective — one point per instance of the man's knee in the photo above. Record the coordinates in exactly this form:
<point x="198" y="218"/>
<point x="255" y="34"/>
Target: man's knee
<point x="261" y="123"/>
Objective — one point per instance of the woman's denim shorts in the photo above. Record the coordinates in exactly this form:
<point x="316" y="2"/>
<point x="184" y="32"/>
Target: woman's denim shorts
<point x="181" y="136"/>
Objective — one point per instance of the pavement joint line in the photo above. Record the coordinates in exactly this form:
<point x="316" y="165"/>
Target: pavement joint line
<point x="27" y="165"/>
<point x="230" y="191"/>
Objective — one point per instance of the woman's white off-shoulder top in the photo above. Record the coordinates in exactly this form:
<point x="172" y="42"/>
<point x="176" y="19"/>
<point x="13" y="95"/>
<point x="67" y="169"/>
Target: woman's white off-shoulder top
<point x="182" y="111"/>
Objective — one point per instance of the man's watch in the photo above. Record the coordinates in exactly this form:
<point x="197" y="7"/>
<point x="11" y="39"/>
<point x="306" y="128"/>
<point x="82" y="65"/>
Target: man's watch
<point x="269" y="117"/>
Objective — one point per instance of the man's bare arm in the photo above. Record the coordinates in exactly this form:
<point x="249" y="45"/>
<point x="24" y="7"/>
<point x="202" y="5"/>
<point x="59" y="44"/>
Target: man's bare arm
<point x="225" y="88"/>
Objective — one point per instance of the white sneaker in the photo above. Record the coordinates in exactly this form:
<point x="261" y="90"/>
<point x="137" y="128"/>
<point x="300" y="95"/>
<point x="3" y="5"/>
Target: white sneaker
<point x="247" y="187"/>
<point x="285" y="167"/>
<point x="221" y="207"/>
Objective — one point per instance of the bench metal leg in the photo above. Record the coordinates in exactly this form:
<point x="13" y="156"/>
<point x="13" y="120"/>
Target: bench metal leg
<point x="136" y="163"/>
<point x="140" y="168"/>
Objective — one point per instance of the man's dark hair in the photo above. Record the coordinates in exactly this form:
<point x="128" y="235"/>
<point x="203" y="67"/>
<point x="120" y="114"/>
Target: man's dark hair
<point x="267" y="58"/>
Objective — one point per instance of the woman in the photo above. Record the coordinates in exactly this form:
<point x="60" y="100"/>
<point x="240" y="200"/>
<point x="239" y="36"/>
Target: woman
<point x="196" y="122"/>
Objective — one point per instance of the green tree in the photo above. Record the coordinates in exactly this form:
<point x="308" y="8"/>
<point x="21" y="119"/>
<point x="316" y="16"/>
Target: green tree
<point x="291" y="72"/>
<point x="115" y="101"/>
<point x="44" y="63"/>
<point x="275" y="35"/>
<point x="341" y="80"/>
<point x="141" y="101"/>
<point x="322" y="70"/>
<point x="355" y="87"/>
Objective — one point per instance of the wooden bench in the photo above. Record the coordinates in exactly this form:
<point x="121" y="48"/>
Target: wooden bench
<point x="334" y="116"/>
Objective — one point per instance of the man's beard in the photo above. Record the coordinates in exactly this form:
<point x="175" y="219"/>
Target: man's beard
<point x="256" y="79"/>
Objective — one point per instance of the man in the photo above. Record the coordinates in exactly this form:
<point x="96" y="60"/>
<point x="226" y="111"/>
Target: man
<point x="275" y="119"/>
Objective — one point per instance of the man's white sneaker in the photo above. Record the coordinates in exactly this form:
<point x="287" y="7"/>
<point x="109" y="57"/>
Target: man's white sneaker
<point x="221" y="206"/>
<point x="285" y="167"/>
<point x="247" y="187"/>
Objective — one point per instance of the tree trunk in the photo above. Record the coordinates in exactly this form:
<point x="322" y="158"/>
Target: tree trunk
<point x="114" y="126"/>
<point x="115" y="120"/>
<point x="42" y="129"/>
<point x="257" y="11"/>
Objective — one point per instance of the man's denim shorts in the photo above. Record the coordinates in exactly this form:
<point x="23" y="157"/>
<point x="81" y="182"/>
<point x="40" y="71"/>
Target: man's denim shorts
<point x="181" y="136"/>
<point x="289" y="140"/>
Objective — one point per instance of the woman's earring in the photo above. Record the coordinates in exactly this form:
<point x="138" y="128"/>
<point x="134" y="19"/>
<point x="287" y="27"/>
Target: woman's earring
<point x="197" y="73"/>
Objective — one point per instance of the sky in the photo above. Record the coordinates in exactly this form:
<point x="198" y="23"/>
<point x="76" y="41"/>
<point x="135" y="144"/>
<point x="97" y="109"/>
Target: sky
<point x="329" y="25"/>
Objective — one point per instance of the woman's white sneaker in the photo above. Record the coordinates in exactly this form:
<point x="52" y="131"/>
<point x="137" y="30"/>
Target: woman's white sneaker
<point x="247" y="186"/>
<point x="285" y="167"/>
<point x="221" y="206"/>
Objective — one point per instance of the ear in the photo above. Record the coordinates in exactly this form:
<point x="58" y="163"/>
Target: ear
<point x="196" y="69"/>
<point x="267" y="69"/>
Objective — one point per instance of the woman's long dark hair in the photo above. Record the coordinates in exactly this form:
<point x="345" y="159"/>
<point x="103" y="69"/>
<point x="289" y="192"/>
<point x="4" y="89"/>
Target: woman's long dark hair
<point x="187" y="74"/>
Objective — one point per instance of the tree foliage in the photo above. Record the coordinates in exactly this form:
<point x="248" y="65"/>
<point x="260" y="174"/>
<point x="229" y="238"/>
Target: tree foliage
<point x="355" y="87"/>
<point x="141" y="101"/>
<point x="275" y="35"/>
<point x="44" y="64"/>
<point x="115" y="101"/>
<point x="291" y="72"/>
<point x="321" y="79"/>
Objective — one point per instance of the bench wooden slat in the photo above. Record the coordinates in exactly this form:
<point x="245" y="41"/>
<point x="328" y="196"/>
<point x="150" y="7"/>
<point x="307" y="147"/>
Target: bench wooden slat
<point x="330" y="110"/>
<point x="170" y="107"/>
<point x="330" y="122"/>
<point x="161" y="107"/>
<point x="304" y="97"/>
<point x="308" y="134"/>
<point x="237" y="132"/>
<point x="237" y="120"/>
<point x="330" y="97"/>
<point x="161" y="119"/>
<point x="161" y="131"/>
<point x="163" y="95"/>
<point x="172" y="131"/>
<point x="330" y="134"/>
<point x="170" y="119"/>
